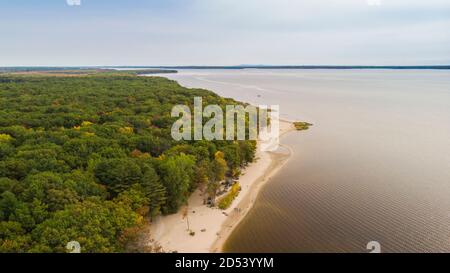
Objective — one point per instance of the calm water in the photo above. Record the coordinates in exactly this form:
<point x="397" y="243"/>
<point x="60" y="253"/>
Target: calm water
<point x="375" y="167"/>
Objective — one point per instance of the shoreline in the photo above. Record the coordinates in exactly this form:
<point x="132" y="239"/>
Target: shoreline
<point x="213" y="226"/>
<point x="233" y="221"/>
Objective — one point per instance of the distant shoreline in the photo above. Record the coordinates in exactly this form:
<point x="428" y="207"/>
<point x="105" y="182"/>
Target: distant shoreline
<point x="311" y="67"/>
<point x="232" y="67"/>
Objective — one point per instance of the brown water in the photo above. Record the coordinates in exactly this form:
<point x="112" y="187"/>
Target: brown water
<point x="375" y="167"/>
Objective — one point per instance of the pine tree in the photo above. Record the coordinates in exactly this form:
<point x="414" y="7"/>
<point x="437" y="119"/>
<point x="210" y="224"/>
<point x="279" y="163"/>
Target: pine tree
<point x="155" y="192"/>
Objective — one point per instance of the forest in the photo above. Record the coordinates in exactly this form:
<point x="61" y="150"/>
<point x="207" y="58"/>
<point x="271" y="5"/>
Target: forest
<point x="90" y="158"/>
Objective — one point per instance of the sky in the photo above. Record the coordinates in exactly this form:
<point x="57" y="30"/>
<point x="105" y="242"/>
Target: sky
<point x="224" y="32"/>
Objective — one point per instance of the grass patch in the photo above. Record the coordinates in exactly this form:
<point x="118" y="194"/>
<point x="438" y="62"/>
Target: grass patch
<point x="301" y="126"/>
<point x="226" y="201"/>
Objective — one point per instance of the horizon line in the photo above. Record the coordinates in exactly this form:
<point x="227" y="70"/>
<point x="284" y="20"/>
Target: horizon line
<point x="235" y="66"/>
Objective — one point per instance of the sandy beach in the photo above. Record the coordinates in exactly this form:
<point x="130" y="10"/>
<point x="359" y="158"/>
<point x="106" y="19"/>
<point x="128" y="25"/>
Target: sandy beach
<point x="212" y="226"/>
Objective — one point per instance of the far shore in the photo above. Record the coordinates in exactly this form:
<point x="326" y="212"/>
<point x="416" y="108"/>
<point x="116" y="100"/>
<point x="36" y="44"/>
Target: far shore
<point x="213" y="226"/>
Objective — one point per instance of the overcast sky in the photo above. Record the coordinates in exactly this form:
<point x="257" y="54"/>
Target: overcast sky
<point x="224" y="32"/>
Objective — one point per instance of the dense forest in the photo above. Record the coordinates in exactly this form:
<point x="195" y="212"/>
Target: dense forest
<point x="90" y="158"/>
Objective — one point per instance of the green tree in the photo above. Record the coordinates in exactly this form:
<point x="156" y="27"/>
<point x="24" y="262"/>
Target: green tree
<point x="118" y="174"/>
<point x="8" y="204"/>
<point x="7" y="184"/>
<point x="50" y="189"/>
<point x="177" y="176"/>
<point x="13" y="238"/>
<point x="233" y="158"/>
<point x="155" y="191"/>
<point x="95" y="224"/>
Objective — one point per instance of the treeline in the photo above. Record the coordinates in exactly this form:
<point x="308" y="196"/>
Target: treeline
<point x="74" y="71"/>
<point x="90" y="158"/>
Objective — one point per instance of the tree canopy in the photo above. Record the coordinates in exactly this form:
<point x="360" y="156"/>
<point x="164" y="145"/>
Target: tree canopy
<point x="88" y="158"/>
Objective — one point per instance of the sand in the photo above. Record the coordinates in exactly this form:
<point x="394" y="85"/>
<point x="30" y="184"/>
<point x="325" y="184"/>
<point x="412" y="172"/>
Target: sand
<point x="212" y="226"/>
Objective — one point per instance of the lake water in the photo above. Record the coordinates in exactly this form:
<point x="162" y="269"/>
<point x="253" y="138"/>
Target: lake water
<point x="375" y="166"/>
